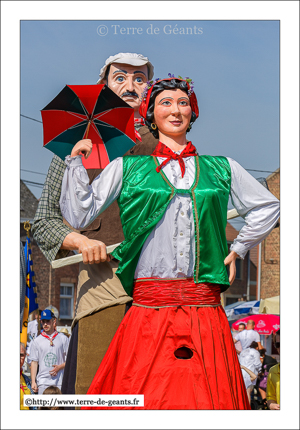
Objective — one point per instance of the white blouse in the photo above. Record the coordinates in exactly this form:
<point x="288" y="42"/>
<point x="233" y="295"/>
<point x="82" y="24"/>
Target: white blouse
<point x="169" y="251"/>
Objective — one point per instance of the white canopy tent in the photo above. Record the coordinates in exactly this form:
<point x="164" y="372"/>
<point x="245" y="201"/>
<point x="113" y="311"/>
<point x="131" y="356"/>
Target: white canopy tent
<point x="270" y="305"/>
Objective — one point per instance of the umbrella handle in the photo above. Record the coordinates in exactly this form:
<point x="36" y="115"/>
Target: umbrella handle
<point x="87" y="130"/>
<point x="86" y="135"/>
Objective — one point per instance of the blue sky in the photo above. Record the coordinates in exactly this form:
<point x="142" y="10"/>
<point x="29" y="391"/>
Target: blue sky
<point x="234" y="64"/>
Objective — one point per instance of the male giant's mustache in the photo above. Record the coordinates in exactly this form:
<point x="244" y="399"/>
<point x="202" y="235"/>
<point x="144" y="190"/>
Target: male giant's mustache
<point x="130" y="93"/>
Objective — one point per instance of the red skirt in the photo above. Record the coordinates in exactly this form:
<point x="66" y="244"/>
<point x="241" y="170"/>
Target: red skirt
<point x="178" y="356"/>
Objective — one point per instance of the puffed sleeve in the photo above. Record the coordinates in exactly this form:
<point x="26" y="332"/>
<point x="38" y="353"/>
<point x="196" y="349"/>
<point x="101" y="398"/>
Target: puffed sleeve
<point x="256" y="205"/>
<point x="80" y="202"/>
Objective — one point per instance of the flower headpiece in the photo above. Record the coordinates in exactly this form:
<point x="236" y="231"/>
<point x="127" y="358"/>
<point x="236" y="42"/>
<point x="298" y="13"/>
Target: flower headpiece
<point x="148" y="90"/>
<point x="187" y="80"/>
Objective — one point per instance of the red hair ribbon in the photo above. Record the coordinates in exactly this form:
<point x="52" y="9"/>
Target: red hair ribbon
<point x="145" y="102"/>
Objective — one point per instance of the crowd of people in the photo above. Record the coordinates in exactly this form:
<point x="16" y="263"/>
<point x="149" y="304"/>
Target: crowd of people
<point x="149" y="317"/>
<point x="259" y="370"/>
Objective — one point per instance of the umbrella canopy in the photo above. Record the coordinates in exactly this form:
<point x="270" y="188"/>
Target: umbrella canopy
<point x="240" y="308"/>
<point x="264" y="323"/>
<point x="247" y="308"/>
<point x="89" y="111"/>
<point x="270" y="306"/>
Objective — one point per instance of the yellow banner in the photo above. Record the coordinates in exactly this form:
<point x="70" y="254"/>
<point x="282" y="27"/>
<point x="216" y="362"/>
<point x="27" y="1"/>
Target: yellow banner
<point x="23" y="335"/>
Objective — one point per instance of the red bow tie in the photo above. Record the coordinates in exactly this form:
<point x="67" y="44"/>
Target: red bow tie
<point x="138" y="121"/>
<point x="162" y="150"/>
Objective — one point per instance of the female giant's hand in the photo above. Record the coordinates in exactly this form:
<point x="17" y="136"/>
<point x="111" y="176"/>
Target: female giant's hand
<point x="84" y="146"/>
<point x="230" y="259"/>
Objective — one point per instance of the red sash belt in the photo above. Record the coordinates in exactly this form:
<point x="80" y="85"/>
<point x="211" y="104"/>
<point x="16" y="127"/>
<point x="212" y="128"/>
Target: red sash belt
<point x="155" y="292"/>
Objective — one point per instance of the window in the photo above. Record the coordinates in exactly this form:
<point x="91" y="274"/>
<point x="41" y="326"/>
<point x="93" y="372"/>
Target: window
<point x="66" y="301"/>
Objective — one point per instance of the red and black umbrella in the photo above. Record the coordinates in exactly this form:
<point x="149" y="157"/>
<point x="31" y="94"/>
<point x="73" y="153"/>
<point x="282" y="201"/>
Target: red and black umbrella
<point x="89" y="111"/>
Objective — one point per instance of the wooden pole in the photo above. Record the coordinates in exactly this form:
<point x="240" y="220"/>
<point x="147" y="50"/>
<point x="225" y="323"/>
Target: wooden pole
<point x="77" y="258"/>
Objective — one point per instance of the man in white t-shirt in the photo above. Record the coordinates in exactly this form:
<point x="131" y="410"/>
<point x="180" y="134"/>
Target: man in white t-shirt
<point x="246" y="337"/>
<point x="48" y="352"/>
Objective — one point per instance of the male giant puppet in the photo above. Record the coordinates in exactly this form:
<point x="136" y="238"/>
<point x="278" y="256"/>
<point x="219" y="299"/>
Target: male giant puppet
<point x="101" y="299"/>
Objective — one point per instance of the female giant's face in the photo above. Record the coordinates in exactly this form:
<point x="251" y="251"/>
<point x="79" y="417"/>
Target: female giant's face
<point x="172" y="112"/>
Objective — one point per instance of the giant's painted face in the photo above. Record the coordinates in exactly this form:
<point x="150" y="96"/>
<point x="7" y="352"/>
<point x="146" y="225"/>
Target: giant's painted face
<point x="172" y="112"/>
<point x="128" y="82"/>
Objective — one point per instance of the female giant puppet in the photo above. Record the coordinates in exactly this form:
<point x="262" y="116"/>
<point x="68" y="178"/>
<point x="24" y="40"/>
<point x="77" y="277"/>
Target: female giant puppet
<point x="174" y="344"/>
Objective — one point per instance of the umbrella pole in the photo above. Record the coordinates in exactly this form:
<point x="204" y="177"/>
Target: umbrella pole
<point x="85" y="136"/>
<point x="87" y="130"/>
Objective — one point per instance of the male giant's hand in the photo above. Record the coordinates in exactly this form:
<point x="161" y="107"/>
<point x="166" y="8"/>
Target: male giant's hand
<point x="93" y="251"/>
<point x="230" y="259"/>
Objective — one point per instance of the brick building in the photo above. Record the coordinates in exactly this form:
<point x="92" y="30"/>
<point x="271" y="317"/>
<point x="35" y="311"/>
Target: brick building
<point x="270" y="250"/>
<point x="264" y="277"/>
<point x="54" y="287"/>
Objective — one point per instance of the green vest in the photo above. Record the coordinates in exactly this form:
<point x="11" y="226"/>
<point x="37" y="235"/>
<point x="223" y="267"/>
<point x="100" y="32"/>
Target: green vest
<point x="143" y="201"/>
